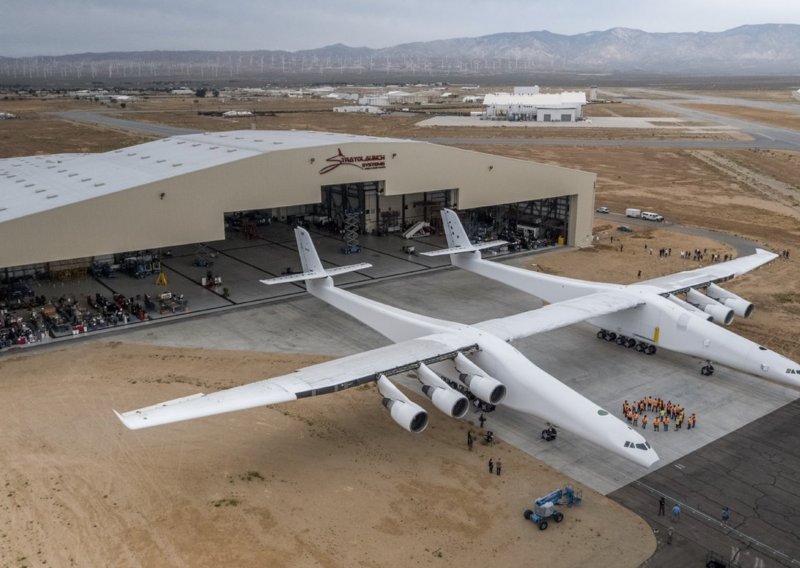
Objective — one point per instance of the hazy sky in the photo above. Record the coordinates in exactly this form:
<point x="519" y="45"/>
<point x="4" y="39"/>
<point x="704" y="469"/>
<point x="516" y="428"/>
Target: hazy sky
<point x="52" y="27"/>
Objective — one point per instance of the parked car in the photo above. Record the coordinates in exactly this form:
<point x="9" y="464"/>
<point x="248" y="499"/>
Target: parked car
<point x="651" y="216"/>
<point x="602" y="209"/>
<point x="624" y="229"/>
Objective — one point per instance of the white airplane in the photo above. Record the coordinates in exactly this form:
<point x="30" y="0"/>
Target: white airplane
<point x="444" y="355"/>
<point x="655" y="316"/>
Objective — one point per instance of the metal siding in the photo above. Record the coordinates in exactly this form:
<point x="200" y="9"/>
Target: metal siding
<point x="194" y="203"/>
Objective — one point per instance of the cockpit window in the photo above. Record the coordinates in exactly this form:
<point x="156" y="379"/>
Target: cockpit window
<point x="645" y="446"/>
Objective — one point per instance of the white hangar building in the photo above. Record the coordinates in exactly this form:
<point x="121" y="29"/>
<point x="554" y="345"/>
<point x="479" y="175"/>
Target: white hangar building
<point x="561" y="107"/>
<point x="178" y="190"/>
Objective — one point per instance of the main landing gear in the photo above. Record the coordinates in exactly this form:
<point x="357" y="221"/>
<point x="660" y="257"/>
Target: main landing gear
<point x="629" y="342"/>
<point x="708" y="369"/>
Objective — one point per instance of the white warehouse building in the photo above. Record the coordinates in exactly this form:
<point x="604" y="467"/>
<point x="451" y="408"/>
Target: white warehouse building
<point x="562" y="107"/>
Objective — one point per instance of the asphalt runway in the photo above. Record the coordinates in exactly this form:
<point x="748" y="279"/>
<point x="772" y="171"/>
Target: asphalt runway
<point x="752" y="471"/>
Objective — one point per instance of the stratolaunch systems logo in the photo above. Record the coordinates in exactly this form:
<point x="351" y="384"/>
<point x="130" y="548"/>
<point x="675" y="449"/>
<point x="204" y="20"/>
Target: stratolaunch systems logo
<point x="371" y="162"/>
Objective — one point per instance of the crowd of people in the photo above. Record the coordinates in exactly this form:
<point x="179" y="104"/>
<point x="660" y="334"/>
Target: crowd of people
<point x="666" y="413"/>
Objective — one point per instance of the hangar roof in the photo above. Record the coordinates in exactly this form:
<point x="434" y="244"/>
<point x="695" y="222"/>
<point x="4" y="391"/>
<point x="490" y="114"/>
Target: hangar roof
<point x="34" y="184"/>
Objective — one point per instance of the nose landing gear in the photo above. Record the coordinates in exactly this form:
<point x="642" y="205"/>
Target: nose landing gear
<point x="708" y="369"/>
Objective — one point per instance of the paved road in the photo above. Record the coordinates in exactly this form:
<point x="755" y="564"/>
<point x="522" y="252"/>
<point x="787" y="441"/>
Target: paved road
<point x="742" y="245"/>
<point x="90" y="117"/>
<point x="765" y="136"/>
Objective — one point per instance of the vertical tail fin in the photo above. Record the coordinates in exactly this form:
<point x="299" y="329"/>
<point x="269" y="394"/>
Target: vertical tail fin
<point x="457" y="239"/>
<point x="454" y="230"/>
<point x="308" y="253"/>
<point x="312" y="265"/>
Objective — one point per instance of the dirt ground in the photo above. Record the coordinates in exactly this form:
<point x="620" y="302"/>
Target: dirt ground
<point x="302" y="484"/>
<point x="329" y="481"/>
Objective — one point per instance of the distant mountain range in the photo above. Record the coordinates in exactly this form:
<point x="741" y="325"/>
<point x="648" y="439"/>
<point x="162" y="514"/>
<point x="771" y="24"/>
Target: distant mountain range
<point x="768" y="49"/>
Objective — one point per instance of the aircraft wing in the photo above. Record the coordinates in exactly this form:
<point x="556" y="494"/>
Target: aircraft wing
<point x="560" y="314"/>
<point x="324" y="378"/>
<point x="682" y="281"/>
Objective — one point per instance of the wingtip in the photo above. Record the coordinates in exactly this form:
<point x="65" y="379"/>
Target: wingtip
<point x="122" y="419"/>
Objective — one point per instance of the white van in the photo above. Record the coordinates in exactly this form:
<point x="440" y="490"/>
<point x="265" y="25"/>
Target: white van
<point x="650" y="216"/>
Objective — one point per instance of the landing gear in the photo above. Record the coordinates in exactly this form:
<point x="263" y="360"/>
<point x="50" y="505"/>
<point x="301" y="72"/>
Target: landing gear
<point x="629" y="342"/>
<point x="549" y="434"/>
<point x="708" y="369"/>
<point x="607" y="335"/>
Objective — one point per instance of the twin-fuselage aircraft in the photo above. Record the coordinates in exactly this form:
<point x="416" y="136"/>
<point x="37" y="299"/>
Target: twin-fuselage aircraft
<point x="450" y="358"/>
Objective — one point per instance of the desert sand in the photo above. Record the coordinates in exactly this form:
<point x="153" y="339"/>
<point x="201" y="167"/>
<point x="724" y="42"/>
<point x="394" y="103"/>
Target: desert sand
<point x="332" y="481"/>
<point x="329" y="481"/>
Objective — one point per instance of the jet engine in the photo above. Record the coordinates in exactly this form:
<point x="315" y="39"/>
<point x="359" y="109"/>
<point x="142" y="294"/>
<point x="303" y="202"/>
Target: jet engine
<point x="479" y="383"/>
<point x="407" y="414"/>
<point x="740" y="306"/>
<point x="442" y="396"/>
<point x="720" y="313"/>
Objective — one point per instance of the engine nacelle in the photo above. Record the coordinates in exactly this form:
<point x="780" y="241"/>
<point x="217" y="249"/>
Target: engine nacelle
<point x="447" y="400"/>
<point x="443" y="396"/>
<point x="720" y="313"/>
<point x="739" y="305"/>
<point x="407" y="414"/>
<point x="689" y="307"/>
<point x="478" y="382"/>
<point x="485" y="388"/>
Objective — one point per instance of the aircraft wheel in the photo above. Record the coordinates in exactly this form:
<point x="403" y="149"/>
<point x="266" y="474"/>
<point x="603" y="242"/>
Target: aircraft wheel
<point x="650" y="350"/>
<point x="640" y="347"/>
<point x="611" y="336"/>
<point x="707" y="370"/>
<point x="601" y="334"/>
<point x="621" y="340"/>
<point x="631" y="343"/>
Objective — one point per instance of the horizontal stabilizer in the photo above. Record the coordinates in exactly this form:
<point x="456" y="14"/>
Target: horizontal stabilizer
<point x="316" y="274"/>
<point x="464" y="248"/>
<point x="349" y="268"/>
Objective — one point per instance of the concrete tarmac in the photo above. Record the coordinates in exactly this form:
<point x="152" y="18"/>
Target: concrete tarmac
<point x="743" y="454"/>
<point x="754" y="472"/>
